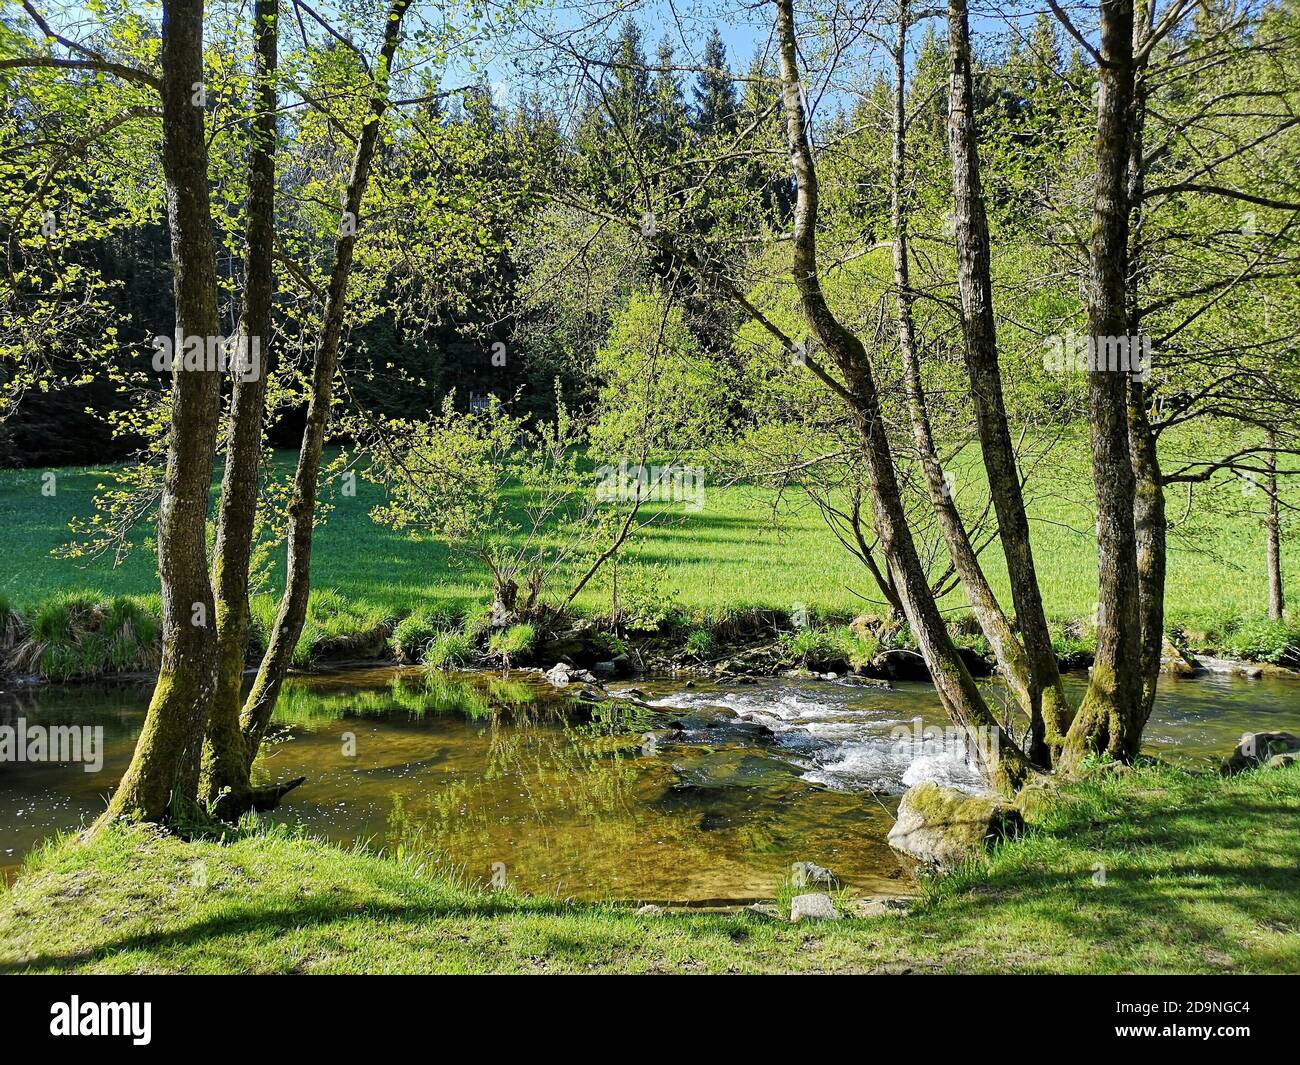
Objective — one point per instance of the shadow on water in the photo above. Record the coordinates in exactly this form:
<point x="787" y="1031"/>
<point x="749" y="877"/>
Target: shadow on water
<point x="481" y="773"/>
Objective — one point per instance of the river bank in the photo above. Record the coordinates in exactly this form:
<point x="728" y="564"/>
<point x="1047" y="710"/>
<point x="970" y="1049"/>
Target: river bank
<point x="81" y="638"/>
<point x="1160" y="870"/>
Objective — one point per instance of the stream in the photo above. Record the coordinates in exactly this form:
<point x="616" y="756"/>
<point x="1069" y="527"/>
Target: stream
<point x="486" y="774"/>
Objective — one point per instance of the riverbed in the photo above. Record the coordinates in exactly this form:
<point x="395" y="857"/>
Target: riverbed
<point x="669" y="790"/>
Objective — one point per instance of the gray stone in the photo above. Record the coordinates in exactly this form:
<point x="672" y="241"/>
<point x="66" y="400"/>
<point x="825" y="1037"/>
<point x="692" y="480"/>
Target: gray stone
<point x="559" y="674"/>
<point x="881" y="905"/>
<point x="1257" y="748"/>
<point x="942" y="826"/>
<point x="765" y="910"/>
<point x="813" y="907"/>
<point x="649" y="910"/>
<point x="605" y="669"/>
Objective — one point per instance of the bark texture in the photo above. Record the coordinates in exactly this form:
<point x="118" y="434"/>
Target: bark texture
<point x="957" y="689"/>
<point x="1111" y="716"/>
<point x="1273" y="528"/>
<point x="1049" y="709"/>
<point x="224" y="783"/>
<point x="1149" y="522"/>
<point x="993" y="622"/>
<point x="302" y="506"/>
<point x="162" y="779"/>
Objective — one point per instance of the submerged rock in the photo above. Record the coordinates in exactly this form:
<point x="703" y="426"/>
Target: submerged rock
<point x="1249" y="670"/>
<point x="1259" y="748"/>
<point x="813" y="907"/>
<point x="653" y="742"/>
<point x="805" y="874"/>
<point x="942" y="826"/>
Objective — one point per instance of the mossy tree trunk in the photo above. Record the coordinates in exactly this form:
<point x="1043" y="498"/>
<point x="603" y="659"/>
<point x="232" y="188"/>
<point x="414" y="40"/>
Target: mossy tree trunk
<point x="224" y="783"/>
<point x="162" y="778"/>
<point x="292" y="614"/>
<point x="1150" y="526"/>
<point x="956" y="688"/>
<point x="993" y="622"/>
<point x="1110" y="718"/>
<point x="1049" y="710"/>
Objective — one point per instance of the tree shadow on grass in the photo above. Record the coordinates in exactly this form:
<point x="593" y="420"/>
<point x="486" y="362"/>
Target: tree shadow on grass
<point x="1154" y="882"/>
<point x="318" y="914"/>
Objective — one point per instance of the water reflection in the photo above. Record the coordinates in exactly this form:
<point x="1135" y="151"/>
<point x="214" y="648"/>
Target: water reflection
<point x="472" y="770"/>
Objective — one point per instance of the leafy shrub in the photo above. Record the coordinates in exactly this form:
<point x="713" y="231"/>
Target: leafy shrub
<point x="646" y="601"/>
<point x="1264" y="641"/>
<point x="861" y="648"/>
<point x="609" y="644"/>
<point x="448" y="649"/>
<point x="813" y="645"/>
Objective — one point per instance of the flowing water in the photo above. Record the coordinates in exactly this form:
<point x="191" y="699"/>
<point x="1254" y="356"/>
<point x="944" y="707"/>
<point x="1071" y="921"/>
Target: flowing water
<point x="479" y="772"/>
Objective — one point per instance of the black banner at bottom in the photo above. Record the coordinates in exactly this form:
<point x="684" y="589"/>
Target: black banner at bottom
<point x="146" y="1014"/>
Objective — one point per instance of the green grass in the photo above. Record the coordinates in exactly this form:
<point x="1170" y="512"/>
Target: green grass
<point x="512" y="642"/>
<point x="78" y="634"/>
<point x="727" y="557"/>
<point x="1200" y="875"/>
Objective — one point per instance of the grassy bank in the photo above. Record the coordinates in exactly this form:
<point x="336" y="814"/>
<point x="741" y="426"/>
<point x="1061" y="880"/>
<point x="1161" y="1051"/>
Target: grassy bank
<point x="728" y="558"/>
<point x="1154" y="871"/>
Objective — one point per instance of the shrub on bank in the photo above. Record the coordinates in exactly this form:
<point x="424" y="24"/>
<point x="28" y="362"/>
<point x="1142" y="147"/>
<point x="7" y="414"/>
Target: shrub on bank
<point x="1264" y="641"/>
<point x="76" y="635"/>
<point x="413" y="634"/>
<point x="448" y="649"/>
<point x="514" y="642"/>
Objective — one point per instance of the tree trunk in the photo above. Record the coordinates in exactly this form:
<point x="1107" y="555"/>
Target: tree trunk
<point x="1273" y="526"/>
<point x="1149" y="523"/>
<point x="162" y="778"/>
<point x="993" y="622"/>
<point x="1049" y="709"/>
<point x="1110" y="718"/>
<point x="224" y="783"/>
<point x="957" y="690"/>
<point x="1150" y="530"/>
<point x="261" y="700"/>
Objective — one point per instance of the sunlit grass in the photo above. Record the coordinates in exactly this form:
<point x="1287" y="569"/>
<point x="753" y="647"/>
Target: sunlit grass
<point x="1159" y="870"/>
<point x="736" y="552"/>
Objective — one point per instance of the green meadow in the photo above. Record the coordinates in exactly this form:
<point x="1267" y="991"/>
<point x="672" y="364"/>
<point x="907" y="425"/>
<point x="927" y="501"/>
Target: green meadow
<point x="744" y="548"/>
